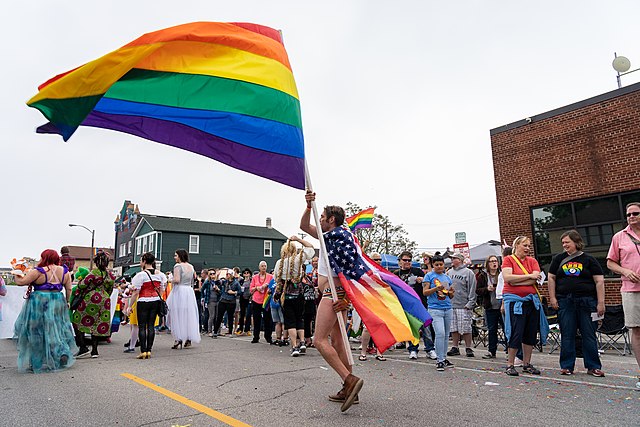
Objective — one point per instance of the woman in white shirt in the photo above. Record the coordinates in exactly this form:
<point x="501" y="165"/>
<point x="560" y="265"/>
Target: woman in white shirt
<point x="148" y="284"/>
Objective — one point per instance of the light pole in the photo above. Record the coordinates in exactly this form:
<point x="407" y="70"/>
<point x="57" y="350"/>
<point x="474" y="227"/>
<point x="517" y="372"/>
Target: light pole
<point x="621" y="64"/>
<point x="93" y="234"/>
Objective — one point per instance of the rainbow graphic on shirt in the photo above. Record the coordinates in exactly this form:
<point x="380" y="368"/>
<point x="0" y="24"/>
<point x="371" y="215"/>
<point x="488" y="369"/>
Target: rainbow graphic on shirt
<point x="572" y="268"/>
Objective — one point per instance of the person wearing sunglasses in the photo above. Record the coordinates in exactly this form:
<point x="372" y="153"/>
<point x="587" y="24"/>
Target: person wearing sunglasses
<point x="413" y="276"/>
<point x="624" y="259"/>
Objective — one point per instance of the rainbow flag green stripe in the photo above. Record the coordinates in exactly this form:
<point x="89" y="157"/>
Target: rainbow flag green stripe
<point x="362" y="219"/>
<point x="222" y="90"/>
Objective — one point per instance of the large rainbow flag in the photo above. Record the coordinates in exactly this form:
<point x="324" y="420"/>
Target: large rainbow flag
<point x="222" y="90"/>
<point x="390" y="309"/>
<point x="361" y="220"/>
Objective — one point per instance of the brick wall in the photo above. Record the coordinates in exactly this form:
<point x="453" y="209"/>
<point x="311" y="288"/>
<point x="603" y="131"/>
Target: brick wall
<point x="611" y="292"/>
<point x="588" y="149"/>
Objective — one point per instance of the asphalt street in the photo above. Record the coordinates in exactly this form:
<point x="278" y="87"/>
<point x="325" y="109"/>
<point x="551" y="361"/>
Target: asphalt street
<point x="261" y="385"/>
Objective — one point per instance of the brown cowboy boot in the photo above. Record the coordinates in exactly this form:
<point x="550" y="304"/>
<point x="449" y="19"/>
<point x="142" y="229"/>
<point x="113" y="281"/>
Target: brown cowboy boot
<point x="352" y="386"/>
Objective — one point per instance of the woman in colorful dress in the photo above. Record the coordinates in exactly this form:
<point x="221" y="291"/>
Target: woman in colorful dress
<point x="44" y="332"/>
<point x="183" y="318"/>
<point x="93" y="316"/>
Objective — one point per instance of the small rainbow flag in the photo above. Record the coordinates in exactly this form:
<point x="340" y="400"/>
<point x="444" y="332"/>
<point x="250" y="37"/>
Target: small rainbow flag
<point x="361" y="220"/>
<point x="390" y="309"/>
<point x="222" y="90"/>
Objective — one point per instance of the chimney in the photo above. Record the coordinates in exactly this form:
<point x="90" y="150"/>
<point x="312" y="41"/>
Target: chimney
<point x="269" y="222"/>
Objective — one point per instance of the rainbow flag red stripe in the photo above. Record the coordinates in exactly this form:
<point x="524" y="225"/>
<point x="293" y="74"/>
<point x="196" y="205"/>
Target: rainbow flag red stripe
<point x="222" y="90"/>
<point x="361" y="220"/>
<point x="390" y="309"/>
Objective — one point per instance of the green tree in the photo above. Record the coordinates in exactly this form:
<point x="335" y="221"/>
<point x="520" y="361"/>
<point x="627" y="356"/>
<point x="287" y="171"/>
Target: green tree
<point x="383" y="237"/>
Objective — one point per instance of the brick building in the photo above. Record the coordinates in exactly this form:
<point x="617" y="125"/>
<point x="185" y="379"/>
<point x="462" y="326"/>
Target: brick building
<point x="572" y="167"/>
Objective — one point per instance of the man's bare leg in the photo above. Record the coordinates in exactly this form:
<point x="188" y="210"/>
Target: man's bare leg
<point x="327" y="323"/>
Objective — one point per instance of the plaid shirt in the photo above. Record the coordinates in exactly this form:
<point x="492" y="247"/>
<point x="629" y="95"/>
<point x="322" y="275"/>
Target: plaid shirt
<point x="69" y="261"/>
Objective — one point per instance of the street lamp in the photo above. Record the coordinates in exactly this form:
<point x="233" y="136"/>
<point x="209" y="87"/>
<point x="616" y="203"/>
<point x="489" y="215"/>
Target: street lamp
<point x="621" y="64"/>
<point x="93" y="233"/>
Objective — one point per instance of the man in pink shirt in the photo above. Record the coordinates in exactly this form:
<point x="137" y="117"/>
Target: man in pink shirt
<point x="624" y="259"/>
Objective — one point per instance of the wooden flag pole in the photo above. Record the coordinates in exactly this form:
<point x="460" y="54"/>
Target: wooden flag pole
<point x="325" y="255"/>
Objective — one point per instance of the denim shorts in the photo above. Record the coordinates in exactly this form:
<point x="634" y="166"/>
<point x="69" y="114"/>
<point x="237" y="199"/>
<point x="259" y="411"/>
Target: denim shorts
<point x="276" y="315"/>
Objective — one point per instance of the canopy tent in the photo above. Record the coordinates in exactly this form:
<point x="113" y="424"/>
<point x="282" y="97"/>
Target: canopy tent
<point x="481" y="252"/>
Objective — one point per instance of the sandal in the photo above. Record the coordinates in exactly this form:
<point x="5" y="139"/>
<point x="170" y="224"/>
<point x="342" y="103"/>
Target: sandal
<point x="362" y="358"/>
<point x="530" y="369"/>
<point x="380" y="357"/>
<point x="511" y="371"/>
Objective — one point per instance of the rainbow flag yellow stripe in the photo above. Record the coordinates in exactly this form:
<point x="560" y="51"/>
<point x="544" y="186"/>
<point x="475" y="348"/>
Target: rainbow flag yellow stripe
<point x="361" y="220"/>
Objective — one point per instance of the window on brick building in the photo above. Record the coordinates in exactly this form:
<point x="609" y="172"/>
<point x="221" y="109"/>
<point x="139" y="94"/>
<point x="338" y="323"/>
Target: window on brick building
<point x="597" y="220"/>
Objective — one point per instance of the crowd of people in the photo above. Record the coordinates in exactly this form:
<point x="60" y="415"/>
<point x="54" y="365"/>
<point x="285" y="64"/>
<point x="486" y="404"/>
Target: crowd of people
<point x="296" y="305"/>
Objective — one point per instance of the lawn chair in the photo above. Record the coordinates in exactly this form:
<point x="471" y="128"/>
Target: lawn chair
<point x="612" y="330"/>
<point x="479" y="331"/>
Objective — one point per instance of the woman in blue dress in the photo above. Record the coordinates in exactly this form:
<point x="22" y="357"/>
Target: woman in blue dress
<point x="45" y="337"/>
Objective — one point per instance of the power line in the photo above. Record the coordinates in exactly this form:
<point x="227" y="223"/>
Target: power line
<point x="477" y="219"/>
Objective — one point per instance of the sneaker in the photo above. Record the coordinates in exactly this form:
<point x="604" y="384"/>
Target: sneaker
<point x="511" y="371"/>
<point x="129" y="350"/>
<point x="401" y="345"/>
<point x="453" y="352"/>
<point x="295" y="352"/>
<point x="518" y="363"/>
<point x="489" y="356"/>
<point x="83" y="353"/>
<point x="413" y="355"/>
<point x="469" y="352"/>
<point x="94" y="354"/>
<point x="566" y="372"/>
<point x="276" y="342"/>
<point x="440" y="366"/>
<point x="638" y="385"/>
<point x="255" y="341"/>
<point x="595" y="372"/>
<point x="303" y="348"/>
<point x="214" y="336"/>
<point x="530" y="369"/>
<point x="432" y="355"/>
<point x="448" y="364"/>
<point x="352" y="386"/>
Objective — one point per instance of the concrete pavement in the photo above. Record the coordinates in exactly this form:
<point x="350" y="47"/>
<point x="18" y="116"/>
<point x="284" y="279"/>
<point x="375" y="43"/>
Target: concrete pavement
<point x="261" y="385"/>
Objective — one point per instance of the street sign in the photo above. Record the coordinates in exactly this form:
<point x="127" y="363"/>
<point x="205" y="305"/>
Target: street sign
<point x="461" y="237"/>
<point x="463" y="248"/>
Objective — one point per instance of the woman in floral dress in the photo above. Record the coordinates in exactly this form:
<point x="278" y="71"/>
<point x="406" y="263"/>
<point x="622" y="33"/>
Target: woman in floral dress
<point x="93" y="316"/>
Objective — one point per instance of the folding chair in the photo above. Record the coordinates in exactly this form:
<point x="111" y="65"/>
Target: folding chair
<point x="479" y="331"/>
<point x="612" y="329"/>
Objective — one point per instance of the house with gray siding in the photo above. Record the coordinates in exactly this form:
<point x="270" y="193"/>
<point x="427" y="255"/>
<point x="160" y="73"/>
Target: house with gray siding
<point x="209" y="244"/>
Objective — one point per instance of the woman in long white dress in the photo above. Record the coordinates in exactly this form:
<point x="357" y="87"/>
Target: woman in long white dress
<point x="183" y="307"/>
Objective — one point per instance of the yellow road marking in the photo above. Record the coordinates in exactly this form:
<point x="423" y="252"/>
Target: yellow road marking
<point x="188" y="402"/>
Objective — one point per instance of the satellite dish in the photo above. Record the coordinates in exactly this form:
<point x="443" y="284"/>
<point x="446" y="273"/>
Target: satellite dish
<point x="621" y="64"/>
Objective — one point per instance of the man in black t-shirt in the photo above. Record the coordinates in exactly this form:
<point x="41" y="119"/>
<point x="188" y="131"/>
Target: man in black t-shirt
<point x="413" y="276"/>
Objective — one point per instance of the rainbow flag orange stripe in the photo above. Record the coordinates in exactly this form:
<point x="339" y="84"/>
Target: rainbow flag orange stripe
<point x="361" y="220"/>
<point x="222" y="90"/>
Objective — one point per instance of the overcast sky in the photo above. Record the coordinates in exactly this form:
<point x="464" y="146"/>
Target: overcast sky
<point x="397" y="102"/>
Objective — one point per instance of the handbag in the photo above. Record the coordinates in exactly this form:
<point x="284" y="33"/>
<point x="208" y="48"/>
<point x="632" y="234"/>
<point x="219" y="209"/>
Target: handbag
<point x="78" y="296"/>
<point x="164" y="308"/>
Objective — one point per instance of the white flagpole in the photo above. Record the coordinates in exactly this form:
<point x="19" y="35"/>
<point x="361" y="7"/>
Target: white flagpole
<point x="325" y="255"/>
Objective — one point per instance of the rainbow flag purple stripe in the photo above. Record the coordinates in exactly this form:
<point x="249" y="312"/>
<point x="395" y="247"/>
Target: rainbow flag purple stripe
<point x="222" y="90"/>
